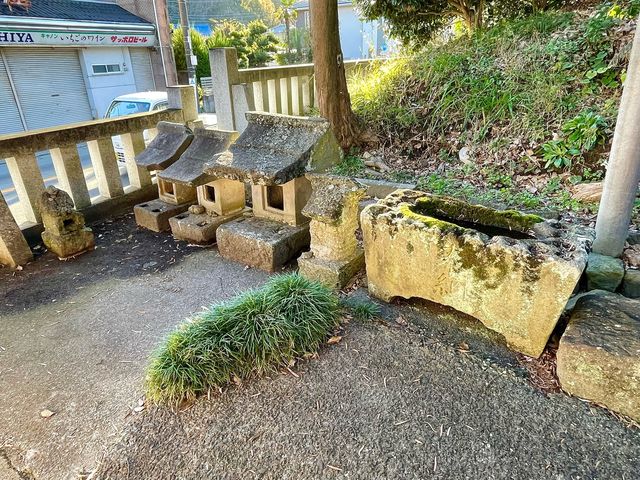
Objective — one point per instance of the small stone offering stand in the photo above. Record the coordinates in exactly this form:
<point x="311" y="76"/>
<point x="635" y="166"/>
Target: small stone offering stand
<point x="333" y="208"/>
<point x="174" y="198"/>
<point x="219" y="201"/>
<point x="273" y="154"/>
<point x="64" y="233"/>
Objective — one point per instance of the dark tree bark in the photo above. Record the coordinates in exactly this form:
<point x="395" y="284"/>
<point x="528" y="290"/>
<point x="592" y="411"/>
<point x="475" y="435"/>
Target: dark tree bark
<point x="333" y="98"/>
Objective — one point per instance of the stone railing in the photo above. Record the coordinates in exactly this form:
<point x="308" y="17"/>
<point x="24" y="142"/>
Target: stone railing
<point x="284" y="89"/>
<point x="19" y="152"/>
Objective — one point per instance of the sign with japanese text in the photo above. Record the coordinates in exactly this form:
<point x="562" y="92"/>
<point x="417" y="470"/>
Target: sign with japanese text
<point x="27" y="38"/>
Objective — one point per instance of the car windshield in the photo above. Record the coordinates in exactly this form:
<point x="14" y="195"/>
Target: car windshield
<point x="121" y="108"/>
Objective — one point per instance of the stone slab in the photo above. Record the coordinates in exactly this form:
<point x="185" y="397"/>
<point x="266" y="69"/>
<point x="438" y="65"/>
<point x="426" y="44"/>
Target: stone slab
<point x="188" y="170"/>
<point x="599" y="353"/>
<point x="199" y="228"/>
<point x="334" y="274"/>
<point x="604" y="273"/>
<point x="14" y="250"/>
<point x="155" y="215"/>
<point x="631" y="284"/>
<point x="513" y="272"/>
<point x="172" y="140"/>
<point x="382" y="188"/>
<point x="261" y="243"/>
<point x="71" y="244"/>
<point x="275" y="149"/>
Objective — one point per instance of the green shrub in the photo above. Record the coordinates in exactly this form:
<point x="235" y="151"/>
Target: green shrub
<point x="255" y="333"/>
<point x="349" y="166"/>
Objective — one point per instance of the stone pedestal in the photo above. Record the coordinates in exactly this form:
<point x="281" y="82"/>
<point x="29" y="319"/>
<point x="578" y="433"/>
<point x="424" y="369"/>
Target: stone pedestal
<point x="155" y="215"/>
<point x="200" y="228"/>
<point x="333" y="208"/>
<point x="599" y="353"/>
<point x="64" y="231"/>
<point x="261" y="243"/>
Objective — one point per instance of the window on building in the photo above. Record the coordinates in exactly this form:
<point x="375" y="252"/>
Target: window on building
<point x="105" y="69"/>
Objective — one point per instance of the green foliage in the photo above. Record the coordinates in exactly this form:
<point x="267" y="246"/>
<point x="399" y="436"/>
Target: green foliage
<point x="363" y="309"/>
<point x="299" y="48"/>
<point x="417" y="21"/>
<point x="255" y="44"/>
<point x="252" y="334"/>
<point x="350" y="166"/>
<point x="581" y="134"/>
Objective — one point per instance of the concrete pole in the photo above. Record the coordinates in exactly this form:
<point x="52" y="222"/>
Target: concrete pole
<point x="186" y="35"/>
<point x="623" y="169"/>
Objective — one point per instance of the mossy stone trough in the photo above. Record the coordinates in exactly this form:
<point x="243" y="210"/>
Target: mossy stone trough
<point x="512" y="271"/>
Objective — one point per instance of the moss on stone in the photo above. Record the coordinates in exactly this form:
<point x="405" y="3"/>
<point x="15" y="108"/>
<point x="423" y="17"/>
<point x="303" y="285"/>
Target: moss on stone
<point x="456" y="210"/>
<point x="407" y="211"/>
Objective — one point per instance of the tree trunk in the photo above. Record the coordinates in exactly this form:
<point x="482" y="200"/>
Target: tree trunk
<point x="623" y="169"/>
<point x="287" y="30"/>
<point x="333" y="98"/>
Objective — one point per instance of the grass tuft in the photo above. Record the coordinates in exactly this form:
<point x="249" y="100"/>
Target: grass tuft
<point x="363" y="309"/>
<point x="250" y="335"/>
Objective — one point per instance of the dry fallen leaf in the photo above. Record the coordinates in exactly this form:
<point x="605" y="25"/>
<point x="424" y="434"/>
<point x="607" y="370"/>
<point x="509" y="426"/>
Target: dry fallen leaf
<point x="138" y="409"/>
<point x="401" y="321"/>
<point x="47" y="413"/>
<point x="334" y="340"/>
<point x="463" y="347"/>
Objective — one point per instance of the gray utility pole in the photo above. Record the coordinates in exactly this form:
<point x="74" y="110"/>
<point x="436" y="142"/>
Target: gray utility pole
<point x="623" y="170"/>
<point x="188" y="53"/>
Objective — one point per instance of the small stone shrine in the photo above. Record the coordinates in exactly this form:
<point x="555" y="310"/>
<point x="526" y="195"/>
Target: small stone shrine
<point x="64" y="231"/>
<point x="333" y="208"/>
<point x="273" y="154"/>
<point x="172" y="140"/>
<point x="219" y="201"/>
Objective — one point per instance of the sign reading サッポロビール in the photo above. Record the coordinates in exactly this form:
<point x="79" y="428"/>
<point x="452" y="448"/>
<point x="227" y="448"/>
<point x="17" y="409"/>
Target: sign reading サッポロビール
<point x="27" y="38"/>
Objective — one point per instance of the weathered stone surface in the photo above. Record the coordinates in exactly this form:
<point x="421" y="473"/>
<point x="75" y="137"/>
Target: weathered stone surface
<point x="631" y="284"/>
<point x="333" y="207"/>
<point x="599" y="353"/>
<point x="282" y="203"/>
<point x="513" y="272"/>
<point x="633" y="238"/>
<point x="172" y="140"/>
<point x="275" y="149"/>
<point x="175" y="193"/>
<point x="604" y="273"/>
<point x="14" y="250"/>
<point x="155" y="215"/>
<point x="261" y="243"/>
<point x="206" y="144"/>
<point x="64" y="233"/>
<point x="199" y="228"/>
<point x="222" y="196"/>
<point x="382" y="188"/>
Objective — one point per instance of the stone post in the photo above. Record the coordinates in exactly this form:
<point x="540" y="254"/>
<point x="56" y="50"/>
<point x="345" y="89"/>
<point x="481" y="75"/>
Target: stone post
<point x="224" y="74"/>
<point x="184" y="97"/>
<point x="623" y="170"/>
<point x="14" y="249"/>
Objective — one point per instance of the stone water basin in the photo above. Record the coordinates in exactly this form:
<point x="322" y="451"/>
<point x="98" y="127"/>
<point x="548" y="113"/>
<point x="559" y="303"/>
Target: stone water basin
<point x="512" y="271"/>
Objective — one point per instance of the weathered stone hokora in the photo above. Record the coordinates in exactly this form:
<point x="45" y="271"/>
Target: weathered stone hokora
<point x="333" y="208"/>
<point x="599" y="353"/>
<point x="513" y="272"/>
<point x="64" y="233"/>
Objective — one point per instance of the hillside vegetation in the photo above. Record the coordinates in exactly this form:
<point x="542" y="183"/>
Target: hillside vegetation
<point x="516" y="114"/>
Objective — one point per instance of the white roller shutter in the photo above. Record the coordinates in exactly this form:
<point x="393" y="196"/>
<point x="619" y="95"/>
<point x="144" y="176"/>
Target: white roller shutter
<point x="142" y="72"/>
<point x="9" y="115"/>
<point x="50" y="86"/>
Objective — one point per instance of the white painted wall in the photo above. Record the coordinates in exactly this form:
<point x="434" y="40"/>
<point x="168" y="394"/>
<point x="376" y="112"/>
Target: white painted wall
<point x="103" y="89"/>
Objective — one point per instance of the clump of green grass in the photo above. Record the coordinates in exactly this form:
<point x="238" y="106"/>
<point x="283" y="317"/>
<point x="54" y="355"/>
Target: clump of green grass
<point x="253" y="334"/>
<point x="350" y="166"/>
<point x="363" y="309"/>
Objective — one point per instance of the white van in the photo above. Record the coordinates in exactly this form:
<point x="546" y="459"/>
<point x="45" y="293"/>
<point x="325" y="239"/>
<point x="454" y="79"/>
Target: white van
<point x="134" y="103"/>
